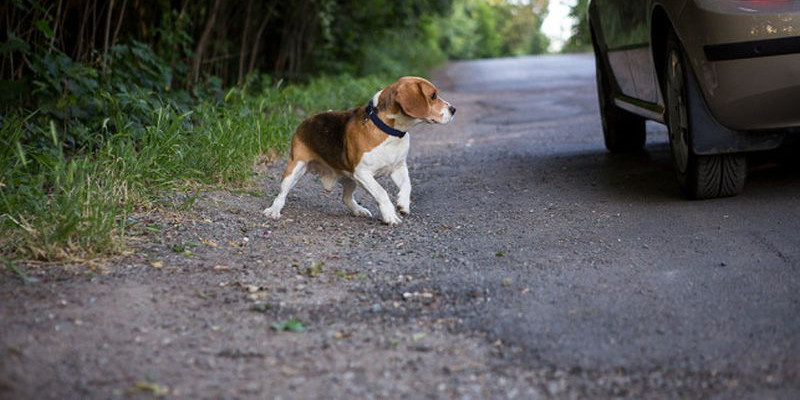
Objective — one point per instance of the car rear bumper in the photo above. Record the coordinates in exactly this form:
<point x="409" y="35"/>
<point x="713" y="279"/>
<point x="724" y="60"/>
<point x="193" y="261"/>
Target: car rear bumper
<point x="746" y="57"/>
<point x="755" y="93"/>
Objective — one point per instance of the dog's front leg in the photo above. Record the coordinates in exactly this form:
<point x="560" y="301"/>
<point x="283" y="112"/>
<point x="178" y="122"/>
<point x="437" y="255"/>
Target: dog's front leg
<point x="403" y="182"/>
<point x="368" y="182"/>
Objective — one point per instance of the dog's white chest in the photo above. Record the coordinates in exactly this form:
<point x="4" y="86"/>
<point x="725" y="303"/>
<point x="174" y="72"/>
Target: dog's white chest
<point x="387" y="156"/>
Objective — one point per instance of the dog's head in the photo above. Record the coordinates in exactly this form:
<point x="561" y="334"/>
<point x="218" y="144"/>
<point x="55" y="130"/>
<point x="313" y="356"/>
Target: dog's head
<point x="416" y="99"/>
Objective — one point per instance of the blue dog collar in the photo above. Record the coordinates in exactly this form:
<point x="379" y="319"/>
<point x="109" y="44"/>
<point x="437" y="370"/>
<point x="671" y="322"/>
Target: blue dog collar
<point x="372" y="113"/>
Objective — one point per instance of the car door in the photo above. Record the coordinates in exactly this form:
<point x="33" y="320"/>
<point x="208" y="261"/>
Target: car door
<point x="625" y="27"/>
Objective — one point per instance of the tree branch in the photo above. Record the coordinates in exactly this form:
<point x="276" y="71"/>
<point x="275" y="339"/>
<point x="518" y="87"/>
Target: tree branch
<point x="202" y="44"/>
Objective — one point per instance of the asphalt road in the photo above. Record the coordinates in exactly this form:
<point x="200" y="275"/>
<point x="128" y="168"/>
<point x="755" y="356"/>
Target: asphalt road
<point x="621" y="271"/>
<point x="534" y="264"/>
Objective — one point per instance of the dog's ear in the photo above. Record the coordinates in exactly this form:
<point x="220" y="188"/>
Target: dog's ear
<point x="386" y="98"/>
<point x="413" y="99"/>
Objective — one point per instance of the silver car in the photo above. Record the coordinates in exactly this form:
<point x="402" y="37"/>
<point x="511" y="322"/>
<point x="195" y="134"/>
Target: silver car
<point x="723" y="75"/>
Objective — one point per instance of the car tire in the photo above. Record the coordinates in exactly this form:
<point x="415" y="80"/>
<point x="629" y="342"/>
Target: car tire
<point x="699" y="176"/>
<point x="623" y="131"/>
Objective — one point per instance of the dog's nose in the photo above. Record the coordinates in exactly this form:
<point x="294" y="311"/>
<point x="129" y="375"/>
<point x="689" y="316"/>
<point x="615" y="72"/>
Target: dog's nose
<point x="452" y="110"/>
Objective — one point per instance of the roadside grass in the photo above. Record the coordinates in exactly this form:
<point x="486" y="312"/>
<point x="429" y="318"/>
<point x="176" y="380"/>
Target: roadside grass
<point x="57" y="205"/>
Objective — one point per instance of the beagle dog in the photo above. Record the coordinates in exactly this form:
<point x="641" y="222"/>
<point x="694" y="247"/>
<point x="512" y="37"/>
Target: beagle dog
<point x="356" y="146"/>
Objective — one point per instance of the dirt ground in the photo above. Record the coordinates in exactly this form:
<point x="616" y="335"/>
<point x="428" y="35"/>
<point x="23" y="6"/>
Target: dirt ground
<point x="522" y="272"/>
<point x="190" y="311"/>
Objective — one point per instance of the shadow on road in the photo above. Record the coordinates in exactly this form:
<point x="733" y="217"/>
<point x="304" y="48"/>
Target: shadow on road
<point x="648" y="176"/>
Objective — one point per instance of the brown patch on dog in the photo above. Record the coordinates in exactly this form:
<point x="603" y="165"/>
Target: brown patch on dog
<point x="335" y="139"/>
<point x="321" y="137"/>
<point x="361" y="137"/>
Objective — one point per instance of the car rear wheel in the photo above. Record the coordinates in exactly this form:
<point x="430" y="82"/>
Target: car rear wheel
<point x="699" y="176"/>
<point x="622" y="130"/>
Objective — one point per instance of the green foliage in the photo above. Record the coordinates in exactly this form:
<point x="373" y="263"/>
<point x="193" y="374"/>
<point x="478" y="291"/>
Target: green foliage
<point x="378" y="36"/>
<point x="388" y="52"/>
<point x="52" y="204"/>
<point x="83" y="99"/>
<point x="492" y="28"/>
<point x="581" y="39"/>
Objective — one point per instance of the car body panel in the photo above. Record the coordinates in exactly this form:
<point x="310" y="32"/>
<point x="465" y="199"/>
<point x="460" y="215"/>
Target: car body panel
<point x="741" y="94"/>
<point x="748" y="93"/>
<point x="625" y="30"/>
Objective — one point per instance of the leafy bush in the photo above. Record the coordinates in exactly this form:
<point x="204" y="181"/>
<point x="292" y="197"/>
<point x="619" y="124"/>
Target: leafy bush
<point x="581" y="38"/>
<point x="484" y="28"/>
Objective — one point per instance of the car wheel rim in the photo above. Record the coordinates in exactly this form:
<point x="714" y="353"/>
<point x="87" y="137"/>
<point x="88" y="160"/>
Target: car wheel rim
<point x="677" y="117"/>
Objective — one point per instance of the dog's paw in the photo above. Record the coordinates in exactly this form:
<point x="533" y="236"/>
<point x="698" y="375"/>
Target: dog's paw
<point x="359" y="211"/>
<point x="271" y="213"/>
<point x="404" y="209"/>
<point x="391" y="219"/>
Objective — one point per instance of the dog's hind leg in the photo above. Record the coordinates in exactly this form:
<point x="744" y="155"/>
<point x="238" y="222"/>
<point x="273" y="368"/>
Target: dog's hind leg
<point x="348" y="187"/>
<point x="294" y="171"/>
<point x="328" y="181"/>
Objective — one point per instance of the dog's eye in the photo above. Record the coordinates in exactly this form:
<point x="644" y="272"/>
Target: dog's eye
<point x="433" y="96"/>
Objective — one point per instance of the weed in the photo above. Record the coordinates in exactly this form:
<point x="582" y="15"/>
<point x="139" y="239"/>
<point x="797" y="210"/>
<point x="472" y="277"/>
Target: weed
<point x="290" y="325"/>
<point x="19" y="273"/>
<point x="350" y="276"/>
<point x="314" y="270"/>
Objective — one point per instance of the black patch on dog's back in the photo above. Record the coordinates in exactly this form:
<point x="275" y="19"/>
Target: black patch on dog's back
<point x="324" y="134"/>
